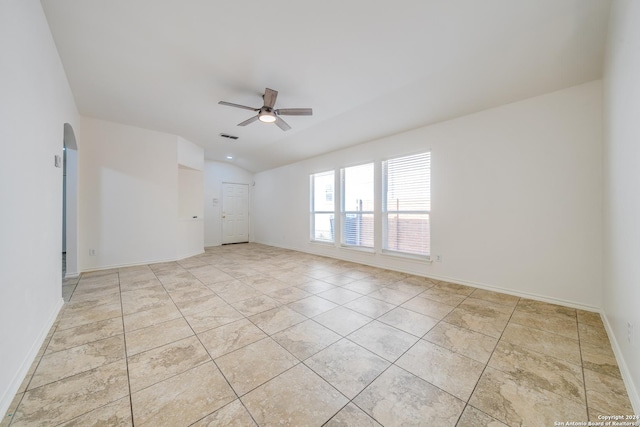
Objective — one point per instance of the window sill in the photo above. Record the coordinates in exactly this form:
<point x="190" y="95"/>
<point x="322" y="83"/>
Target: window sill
<point x="391" y="254"/>
<point x="358" y="249"/>
<point x="321" y="243"/>
<point x="407" y="256"/>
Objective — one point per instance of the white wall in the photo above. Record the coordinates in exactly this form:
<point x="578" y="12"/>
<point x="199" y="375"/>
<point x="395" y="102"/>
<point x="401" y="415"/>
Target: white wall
<point x="139" y="191"/>
<point x="35" y="103"/>
<point x="516" y="191"/>
<point x="215" y="173"/>
<point x="190" y="190"/>
<point x="190" y="154"/>
<point x="128" y="195"/>
<point x="622" y="190"/>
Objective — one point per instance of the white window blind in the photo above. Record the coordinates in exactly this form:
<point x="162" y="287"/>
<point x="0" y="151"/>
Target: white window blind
<point x="357" y="206"/>
<point x="322" y="206"/>
<point x="406" y="204"/>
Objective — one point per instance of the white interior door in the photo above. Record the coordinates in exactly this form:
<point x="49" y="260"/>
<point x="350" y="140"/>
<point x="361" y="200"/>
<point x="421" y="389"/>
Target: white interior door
<point x="235" y="213"/>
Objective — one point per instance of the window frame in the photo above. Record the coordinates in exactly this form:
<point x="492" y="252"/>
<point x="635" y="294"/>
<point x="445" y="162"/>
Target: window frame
<point x="344" y="212"/>
<point x="313" y="212"/>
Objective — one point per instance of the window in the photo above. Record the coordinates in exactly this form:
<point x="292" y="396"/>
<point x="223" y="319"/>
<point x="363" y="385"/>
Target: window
<point x="357" y="206"/>
<point x="322" y="206"/>
<point x="406" y="204"/>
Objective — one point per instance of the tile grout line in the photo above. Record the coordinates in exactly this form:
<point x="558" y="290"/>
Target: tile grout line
<point x="180" y="339"/>
<point x="209" y="354"/>
<point x="391" y="363"/>
<point x="434" y="326"/>
<point x="126" y="358"/>
<point x="486" y="365"/>
<point x="582" y="368"/>
<point x="299" y="362"/>
<point x="39" y="358"/>
<point x="237" y="257"/>
<point x="79" y="373"/>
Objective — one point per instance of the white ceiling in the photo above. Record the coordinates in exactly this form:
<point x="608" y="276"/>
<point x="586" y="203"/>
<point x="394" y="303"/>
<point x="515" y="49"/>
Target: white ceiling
<point x="368" y="68"/>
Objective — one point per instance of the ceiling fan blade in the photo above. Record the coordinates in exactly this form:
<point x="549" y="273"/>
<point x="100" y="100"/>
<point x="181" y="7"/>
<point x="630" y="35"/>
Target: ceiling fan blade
<point x="248" y="121"/>
<point x="294" y="111"/>
<point x="231" y="104"/>
<point x="282" y="124"/>
<point x="270" y="97"/>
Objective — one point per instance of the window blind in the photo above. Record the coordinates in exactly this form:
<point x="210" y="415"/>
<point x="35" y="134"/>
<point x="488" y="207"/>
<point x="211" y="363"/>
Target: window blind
<point x="406" y="204"/>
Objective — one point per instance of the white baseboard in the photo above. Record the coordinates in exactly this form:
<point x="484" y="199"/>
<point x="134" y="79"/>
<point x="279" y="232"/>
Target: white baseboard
<point x="18" y="378"/>
<point x="344" y="256"/>
<point x="138" y="263"/>
<point x="521" y="294"/>
<point x="632" y="389"/>
<point x="190" y="254"/>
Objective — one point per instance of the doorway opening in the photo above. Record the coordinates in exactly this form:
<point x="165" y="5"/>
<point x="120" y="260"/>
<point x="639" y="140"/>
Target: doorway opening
<point x="69" y="212"/>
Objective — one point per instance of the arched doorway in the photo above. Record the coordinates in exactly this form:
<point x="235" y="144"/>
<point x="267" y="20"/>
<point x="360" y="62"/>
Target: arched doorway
<point x="70" y="204"/>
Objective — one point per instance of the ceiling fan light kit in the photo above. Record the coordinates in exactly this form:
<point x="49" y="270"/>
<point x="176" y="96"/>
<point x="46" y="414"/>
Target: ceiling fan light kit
<point x="267" y="114"/>
<point x="267" y="117"/>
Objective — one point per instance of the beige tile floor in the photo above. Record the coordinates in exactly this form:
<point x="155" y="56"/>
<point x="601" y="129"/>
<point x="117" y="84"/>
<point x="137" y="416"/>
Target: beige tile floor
<point x="251" y="334"/>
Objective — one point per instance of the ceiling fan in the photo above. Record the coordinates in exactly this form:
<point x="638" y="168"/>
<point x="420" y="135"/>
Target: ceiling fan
<point x="267" y="113"/>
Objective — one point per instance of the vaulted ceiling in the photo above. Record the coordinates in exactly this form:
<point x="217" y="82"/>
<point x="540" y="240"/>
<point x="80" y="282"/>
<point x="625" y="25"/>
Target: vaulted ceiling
<point x="368" y="68"/>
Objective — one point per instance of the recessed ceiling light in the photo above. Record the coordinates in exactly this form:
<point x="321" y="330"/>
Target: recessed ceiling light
<point x="229" y="157"/>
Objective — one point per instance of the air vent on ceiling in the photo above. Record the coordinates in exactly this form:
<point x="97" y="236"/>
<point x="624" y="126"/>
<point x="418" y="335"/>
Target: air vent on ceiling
<point x="224" y="135"/>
